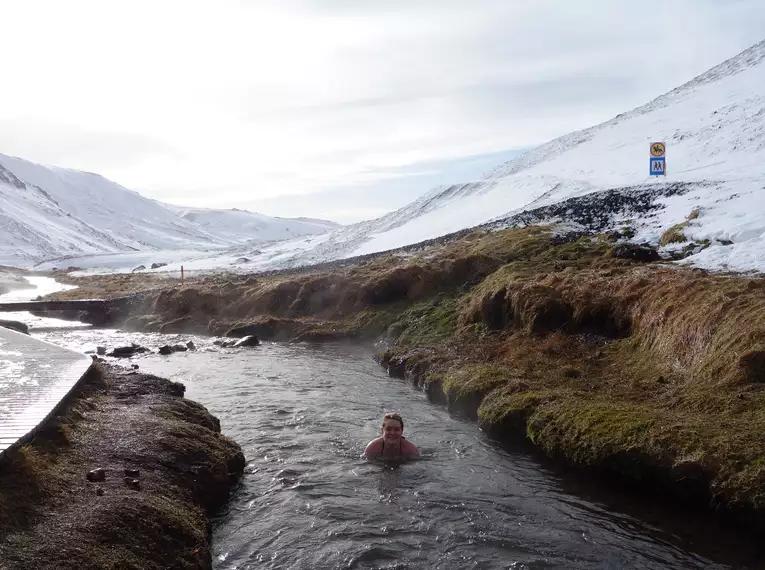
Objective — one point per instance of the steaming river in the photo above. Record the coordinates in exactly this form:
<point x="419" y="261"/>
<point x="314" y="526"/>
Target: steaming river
<point x="303" y="414"/>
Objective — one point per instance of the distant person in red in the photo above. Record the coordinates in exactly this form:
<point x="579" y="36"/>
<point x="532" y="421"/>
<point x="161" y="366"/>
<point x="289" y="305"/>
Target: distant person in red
<point x="392" y="444"/>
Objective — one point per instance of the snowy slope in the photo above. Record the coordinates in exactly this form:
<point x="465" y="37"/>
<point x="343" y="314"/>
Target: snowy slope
<point x="236" y="225"/>
<point x="714" y="127"/>
<point x="49" y="212"/>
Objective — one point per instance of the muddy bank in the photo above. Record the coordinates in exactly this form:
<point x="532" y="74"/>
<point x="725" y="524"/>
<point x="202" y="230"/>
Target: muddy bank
<point x="165" y="469"/>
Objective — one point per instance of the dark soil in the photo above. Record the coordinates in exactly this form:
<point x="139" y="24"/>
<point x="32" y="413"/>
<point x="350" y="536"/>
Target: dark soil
<point x="53" y="517"/>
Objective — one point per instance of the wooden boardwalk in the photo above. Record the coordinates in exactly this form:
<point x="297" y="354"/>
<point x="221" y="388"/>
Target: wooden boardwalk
<point x="35" y="376"/>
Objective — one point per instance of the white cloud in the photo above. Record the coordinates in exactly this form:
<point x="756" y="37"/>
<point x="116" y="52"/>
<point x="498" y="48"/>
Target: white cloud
<point x="233" y="101"/>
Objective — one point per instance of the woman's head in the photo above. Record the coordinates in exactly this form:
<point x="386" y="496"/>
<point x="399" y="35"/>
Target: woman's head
<point x="392" y="427"/>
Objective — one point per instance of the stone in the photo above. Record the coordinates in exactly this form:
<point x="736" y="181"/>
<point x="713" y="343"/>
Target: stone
<point x="96" y="475"/>
<point x="132" y="483"/>
<point x="636" y="252"/>
<point x="166" y="349"/>
<point x="613" y="236"/>
<point x="242" y="260"/>
<point x="123" y="351"/>
<point x="99" y="492"/>
<point x="132" y="472"/>
<point x="101" y="350"/>
<point x="249" y="340"/>
<point x="134" y="366"/>
<point x="243" y="331"/>
<point x="139" y="268"/>
<point x="190" y="345"/>
<point x="17" y="326"/>
<point x="157" y="265"/>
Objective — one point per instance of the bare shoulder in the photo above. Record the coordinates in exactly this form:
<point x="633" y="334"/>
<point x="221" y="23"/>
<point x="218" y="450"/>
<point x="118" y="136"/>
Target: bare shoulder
<point x="374" y="447"/>
<point x="410" y="449"/>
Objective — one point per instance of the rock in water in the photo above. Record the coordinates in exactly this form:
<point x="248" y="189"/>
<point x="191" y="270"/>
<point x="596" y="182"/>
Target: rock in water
<point x="133" y="483"/>
<point x="249" y="340"/>
<point x="96" y="475"/>
<point x="17" y="326"/>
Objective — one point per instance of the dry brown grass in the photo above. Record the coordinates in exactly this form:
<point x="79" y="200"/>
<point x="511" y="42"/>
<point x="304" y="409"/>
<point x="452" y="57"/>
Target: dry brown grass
<point x="654" y="372"/>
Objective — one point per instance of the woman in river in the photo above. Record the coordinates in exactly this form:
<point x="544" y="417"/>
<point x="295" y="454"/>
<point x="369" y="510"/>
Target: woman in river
<point x="392" y="444"/>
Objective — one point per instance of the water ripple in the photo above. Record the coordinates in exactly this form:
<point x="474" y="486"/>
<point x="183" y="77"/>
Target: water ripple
<point x="303" y="414"/>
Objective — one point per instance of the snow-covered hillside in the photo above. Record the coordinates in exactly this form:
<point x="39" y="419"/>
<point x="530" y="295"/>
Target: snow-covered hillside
<point x="714" y="128"/>
<point x="232" y="225"/>
<point x="49" y="212"/>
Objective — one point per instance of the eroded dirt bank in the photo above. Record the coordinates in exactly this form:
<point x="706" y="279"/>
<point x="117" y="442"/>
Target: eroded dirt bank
<point x="152" y="516"/>
<point x="583" y="345"/>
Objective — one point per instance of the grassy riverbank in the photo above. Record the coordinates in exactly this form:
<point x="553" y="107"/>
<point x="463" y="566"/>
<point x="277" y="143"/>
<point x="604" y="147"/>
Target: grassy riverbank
<point x="52" y="517"/>
<point x="653" y="372"/>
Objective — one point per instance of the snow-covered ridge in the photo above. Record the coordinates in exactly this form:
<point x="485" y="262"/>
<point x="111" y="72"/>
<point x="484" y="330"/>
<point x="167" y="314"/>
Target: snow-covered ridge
<point x="714" y="127"/>
<point x="236" y="225"/>
<point x="49" y="212"/>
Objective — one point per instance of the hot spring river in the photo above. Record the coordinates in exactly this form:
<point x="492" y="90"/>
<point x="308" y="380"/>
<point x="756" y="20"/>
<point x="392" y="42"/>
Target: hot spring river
<point x="303" y="414"/>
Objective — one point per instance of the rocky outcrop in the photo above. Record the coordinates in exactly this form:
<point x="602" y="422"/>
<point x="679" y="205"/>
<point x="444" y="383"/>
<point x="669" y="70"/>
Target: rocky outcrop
<point x="247" y="341"/>
<point x="170" y="349"/>
<point x="17" y="326"/>
<point x="127" y="351"/>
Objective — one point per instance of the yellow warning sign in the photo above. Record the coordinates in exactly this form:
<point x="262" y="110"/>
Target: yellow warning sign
<point x="658" y="149"/>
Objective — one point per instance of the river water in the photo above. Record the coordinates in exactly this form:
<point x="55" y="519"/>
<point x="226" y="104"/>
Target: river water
<point x="303" y="415"/>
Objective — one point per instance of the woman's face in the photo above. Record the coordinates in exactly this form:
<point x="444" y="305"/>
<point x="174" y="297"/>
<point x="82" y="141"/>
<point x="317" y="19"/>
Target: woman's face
<point x="392" y="430"/>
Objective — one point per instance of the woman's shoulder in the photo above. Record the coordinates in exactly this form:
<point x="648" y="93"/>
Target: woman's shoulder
<point x="409" y="448"/>
<point x="374" y="445"/>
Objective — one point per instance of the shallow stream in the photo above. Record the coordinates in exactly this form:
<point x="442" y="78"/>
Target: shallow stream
<point x="303" y="415"/>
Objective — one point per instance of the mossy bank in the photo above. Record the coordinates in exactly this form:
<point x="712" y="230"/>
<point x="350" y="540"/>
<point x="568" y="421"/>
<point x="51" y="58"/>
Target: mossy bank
<point x="166" y="468"/>
<point x="584" y="345"/>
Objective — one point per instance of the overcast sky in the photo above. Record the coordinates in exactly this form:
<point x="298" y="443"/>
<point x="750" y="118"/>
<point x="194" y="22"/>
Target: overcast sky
<point x="362" y="105"/>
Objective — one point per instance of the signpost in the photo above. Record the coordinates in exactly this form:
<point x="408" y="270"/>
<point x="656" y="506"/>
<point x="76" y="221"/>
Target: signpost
<point x="658" y="165"/>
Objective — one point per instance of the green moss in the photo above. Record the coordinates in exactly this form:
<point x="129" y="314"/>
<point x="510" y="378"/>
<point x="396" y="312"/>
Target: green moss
<point x="373" y="322"/>
<point x="433" y="377"/>
<point x="475" y="379"/>
<point x="428" y="322"/>
<point x="504" y="405"/>
<point x="588" y="431"/>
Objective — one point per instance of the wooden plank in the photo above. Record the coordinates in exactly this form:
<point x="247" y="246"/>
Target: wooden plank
<point x="35" y="376"/>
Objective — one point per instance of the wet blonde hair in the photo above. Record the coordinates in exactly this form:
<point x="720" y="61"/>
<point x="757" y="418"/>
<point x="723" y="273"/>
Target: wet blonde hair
<point x="392" y="416"/>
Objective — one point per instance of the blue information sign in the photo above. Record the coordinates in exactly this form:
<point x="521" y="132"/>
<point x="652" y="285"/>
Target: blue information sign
<point x="658" y="166"/>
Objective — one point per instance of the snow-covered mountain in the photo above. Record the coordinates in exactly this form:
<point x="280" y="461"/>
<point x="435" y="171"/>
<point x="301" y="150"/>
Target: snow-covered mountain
<point x="231" y="225"/>
<point x="714" y="129"/>
<point x="49" y="212"/>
